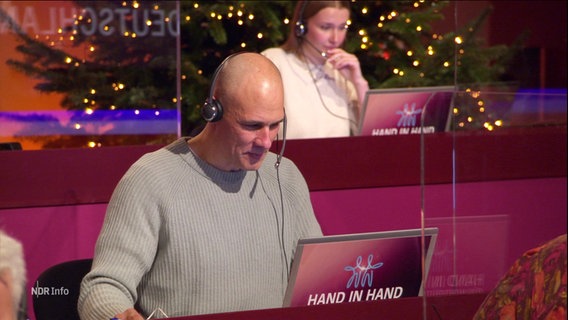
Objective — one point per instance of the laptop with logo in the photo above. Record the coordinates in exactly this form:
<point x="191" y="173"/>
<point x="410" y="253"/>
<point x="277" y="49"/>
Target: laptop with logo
<point x="404" y="111"/>
<point x="360" y="267"/>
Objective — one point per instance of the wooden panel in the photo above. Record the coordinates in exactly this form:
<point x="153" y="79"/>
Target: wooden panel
<point x="75" y="176"/>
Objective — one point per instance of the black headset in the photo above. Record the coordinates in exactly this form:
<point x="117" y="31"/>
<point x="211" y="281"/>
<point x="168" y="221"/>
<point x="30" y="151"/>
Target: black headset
<point x="212" y="110"/>
<point x="300" y="29"/>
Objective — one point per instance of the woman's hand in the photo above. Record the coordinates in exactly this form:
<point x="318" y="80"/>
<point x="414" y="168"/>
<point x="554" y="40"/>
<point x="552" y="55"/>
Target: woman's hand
<point x="347" y="64"/>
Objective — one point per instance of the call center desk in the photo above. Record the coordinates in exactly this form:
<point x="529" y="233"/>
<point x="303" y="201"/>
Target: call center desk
<point x="454" y="307"/>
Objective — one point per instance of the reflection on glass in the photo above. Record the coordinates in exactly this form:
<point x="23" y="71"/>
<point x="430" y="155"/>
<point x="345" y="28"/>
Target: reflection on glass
<point x="488" y="109"/>
<point x="89" y="73"/>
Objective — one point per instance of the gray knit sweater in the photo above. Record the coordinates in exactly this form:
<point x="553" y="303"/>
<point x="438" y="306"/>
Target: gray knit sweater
<point x="190" y="239"/>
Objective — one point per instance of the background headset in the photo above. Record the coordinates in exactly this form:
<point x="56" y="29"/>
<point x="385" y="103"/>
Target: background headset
<point x="301" y="28"/>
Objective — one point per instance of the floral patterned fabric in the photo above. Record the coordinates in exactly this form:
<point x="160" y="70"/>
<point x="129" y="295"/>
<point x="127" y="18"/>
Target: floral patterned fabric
<point x="533" y="288"/>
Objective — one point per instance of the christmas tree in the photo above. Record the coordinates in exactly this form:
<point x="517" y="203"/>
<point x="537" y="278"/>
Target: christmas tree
<point x="126" y="69"/>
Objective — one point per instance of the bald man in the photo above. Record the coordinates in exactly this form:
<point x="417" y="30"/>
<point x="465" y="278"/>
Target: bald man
<point x="206" y="224"/>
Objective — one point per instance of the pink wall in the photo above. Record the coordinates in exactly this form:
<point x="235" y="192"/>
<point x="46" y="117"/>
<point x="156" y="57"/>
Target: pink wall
<point x="495" y="223"/>
<point x="511" y="196"/>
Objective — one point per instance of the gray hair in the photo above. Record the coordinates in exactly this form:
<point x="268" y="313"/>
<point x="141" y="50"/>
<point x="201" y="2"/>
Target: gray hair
<point x="12" y="260"/>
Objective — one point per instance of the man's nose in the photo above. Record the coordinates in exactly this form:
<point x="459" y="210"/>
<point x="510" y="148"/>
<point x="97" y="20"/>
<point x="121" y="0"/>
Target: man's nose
<point x="263" y="137"/>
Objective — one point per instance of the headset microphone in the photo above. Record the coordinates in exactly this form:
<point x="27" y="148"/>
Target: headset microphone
<point x="282" y="227"/>
<point x="281" y="154"/>
<point x="322" y="53"/>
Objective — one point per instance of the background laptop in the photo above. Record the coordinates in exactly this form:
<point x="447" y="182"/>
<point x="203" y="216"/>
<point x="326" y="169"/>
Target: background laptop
<point x="359" y="267"/>
<point x="400" y="111"/>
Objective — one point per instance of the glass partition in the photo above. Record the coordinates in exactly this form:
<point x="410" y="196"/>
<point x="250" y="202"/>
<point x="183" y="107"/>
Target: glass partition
<point x="78" y="74"/>
<point x="504" y="154"/>
<point x="106" y="73"/>
<point x="494" y="211"/>
<point x="89" y="73"/>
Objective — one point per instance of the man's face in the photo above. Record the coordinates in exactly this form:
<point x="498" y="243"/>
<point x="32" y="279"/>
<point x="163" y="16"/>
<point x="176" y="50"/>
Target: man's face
<point x="249" y="126"/>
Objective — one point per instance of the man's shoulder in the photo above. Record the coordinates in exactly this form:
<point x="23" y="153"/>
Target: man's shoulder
<point x="163" y="156"/>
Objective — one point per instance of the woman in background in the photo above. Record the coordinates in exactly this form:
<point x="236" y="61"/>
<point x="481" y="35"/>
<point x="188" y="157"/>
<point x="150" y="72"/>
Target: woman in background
<point x="323" y="84"/>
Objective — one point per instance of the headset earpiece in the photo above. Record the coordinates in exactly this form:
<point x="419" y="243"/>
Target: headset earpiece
<point x="212" y="110"/>
<point x="301" y="28"/>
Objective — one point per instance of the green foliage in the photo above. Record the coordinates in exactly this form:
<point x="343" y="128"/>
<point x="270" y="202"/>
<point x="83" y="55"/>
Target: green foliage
<point x="211" y="30"/>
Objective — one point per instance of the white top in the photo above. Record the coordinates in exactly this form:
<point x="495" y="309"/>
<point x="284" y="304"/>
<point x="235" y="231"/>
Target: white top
<point x="319" y="101"/>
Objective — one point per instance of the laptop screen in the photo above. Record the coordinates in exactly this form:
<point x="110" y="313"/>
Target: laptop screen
<point x="359" y="267"/>
<point x="401" y="111"/>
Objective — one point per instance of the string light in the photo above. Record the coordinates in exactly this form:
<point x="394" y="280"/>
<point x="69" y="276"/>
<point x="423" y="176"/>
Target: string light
<point x="419" y="61"/>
